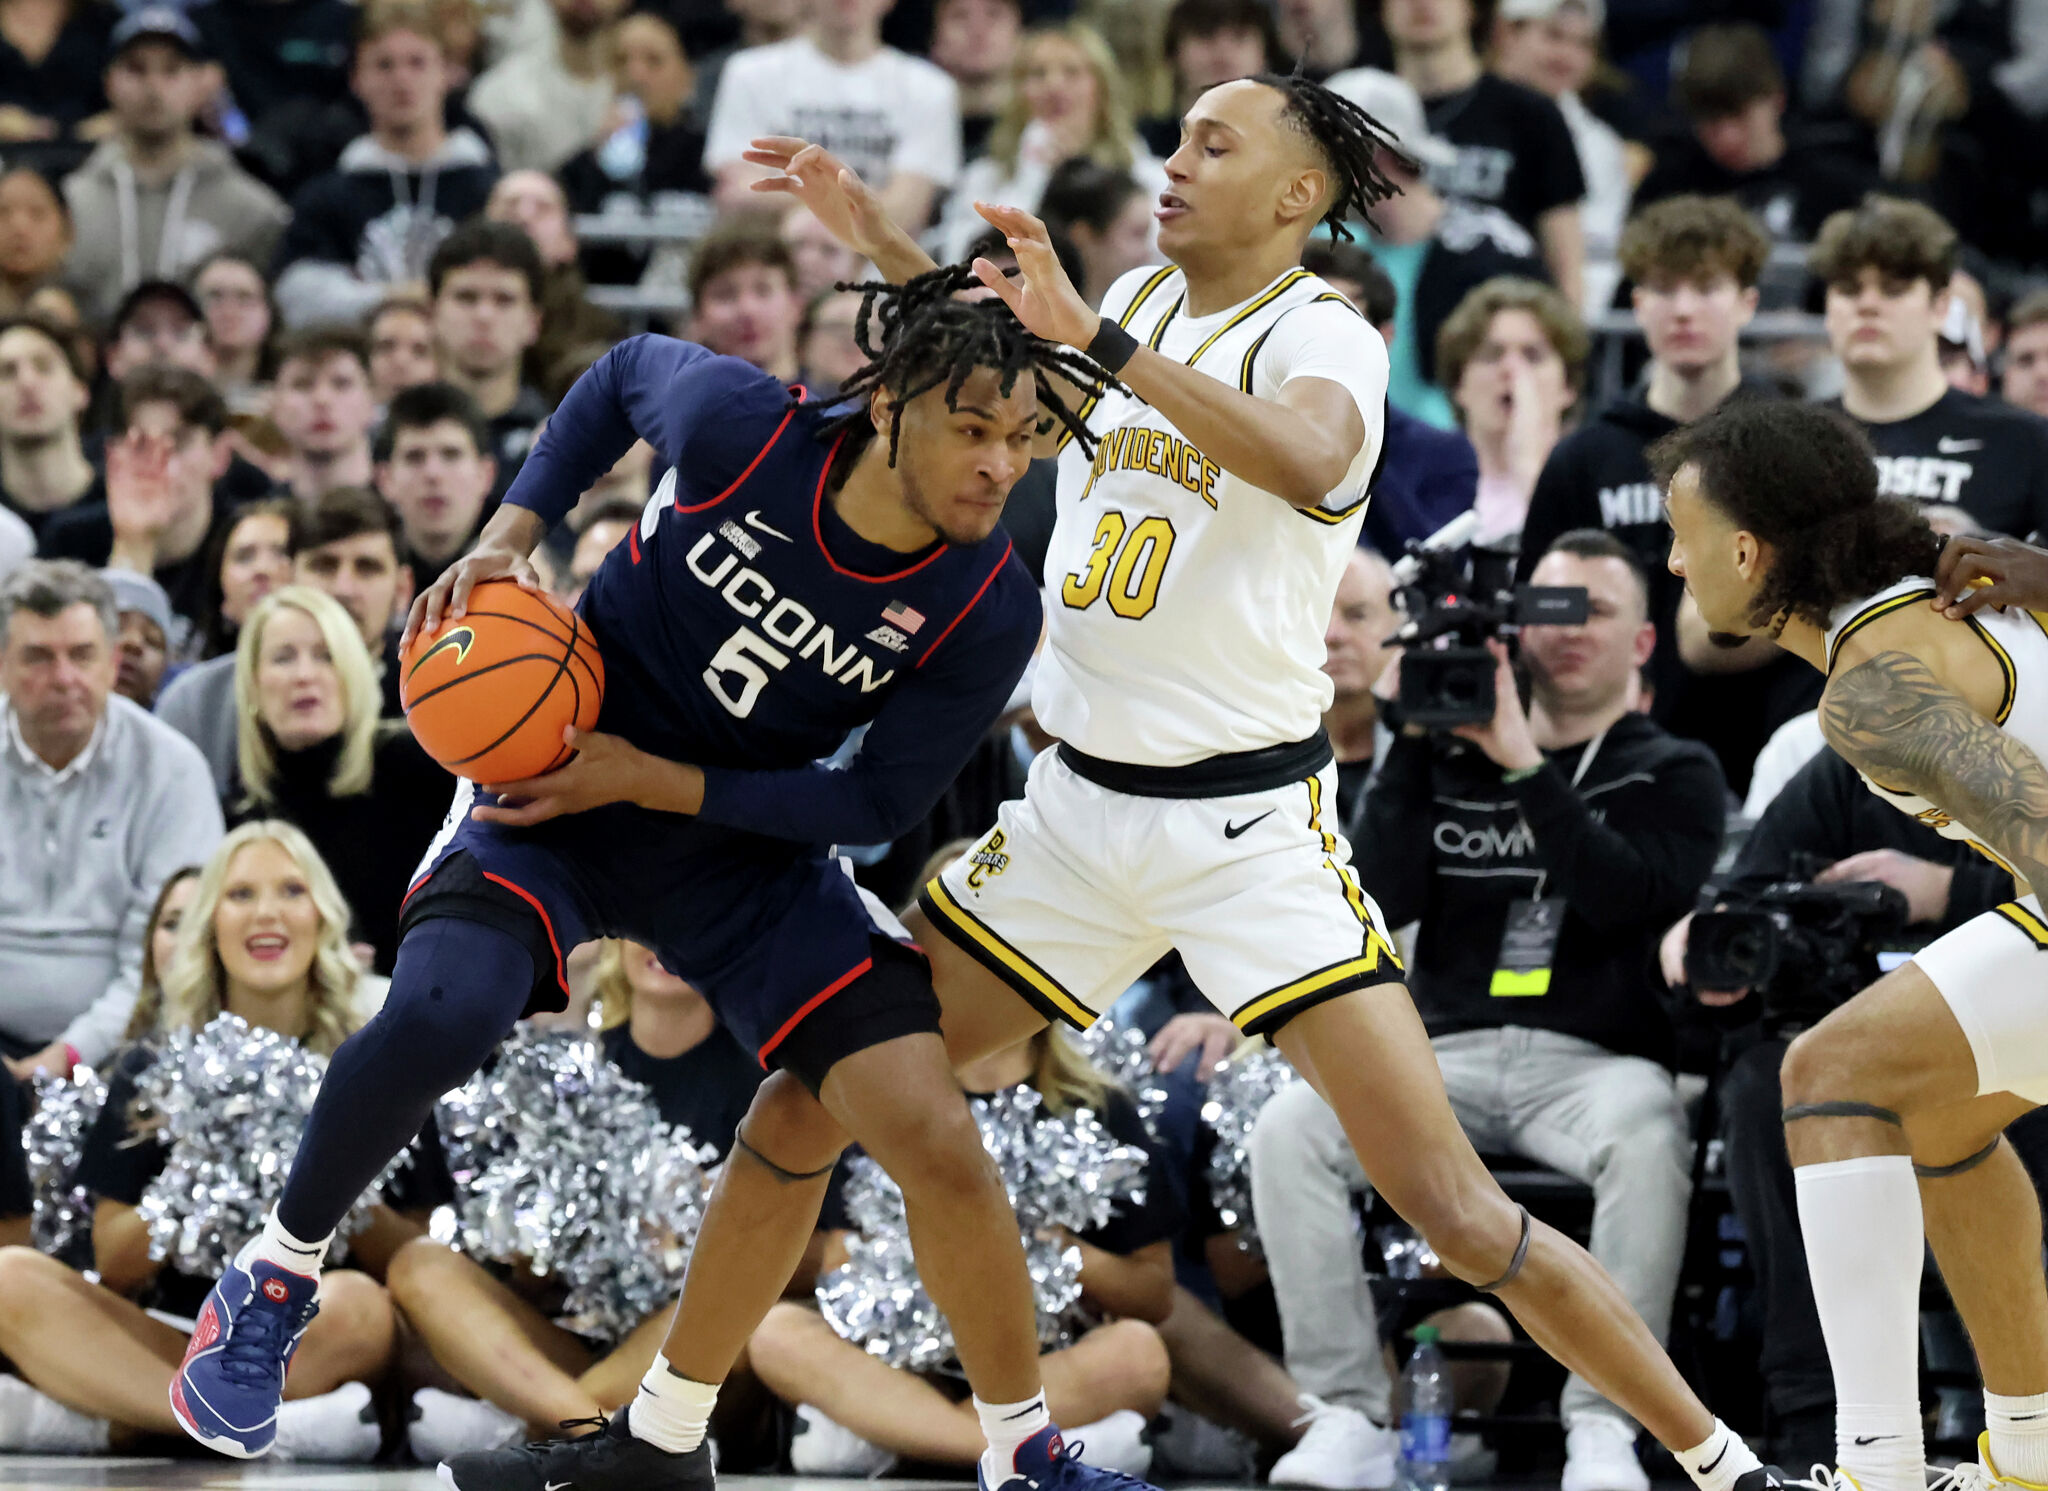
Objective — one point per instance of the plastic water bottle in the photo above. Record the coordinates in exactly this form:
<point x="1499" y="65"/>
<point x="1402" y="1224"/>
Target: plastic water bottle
<point x="1426" y="1418"/>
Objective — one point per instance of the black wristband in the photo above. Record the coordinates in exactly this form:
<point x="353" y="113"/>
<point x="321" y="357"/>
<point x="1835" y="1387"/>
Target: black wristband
<point x="1112" y="347"/>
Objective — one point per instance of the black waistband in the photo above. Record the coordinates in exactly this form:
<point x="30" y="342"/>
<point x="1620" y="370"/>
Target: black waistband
<point x="1235" y="775"/>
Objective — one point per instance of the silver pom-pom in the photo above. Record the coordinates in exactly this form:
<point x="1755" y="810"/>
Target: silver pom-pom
<point x="54" y="1137"/>
<point x="1066" y="1173"/>
<point x="1238" y="1093"/>
<point x="564" y="1166"/>
<point x="1123" y="1052"/>
<point x="231" y="1102"/>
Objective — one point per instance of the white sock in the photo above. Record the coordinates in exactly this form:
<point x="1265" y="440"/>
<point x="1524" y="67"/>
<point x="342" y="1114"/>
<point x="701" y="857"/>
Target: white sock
<point x="1720" y="1461"/>
<point x="1864" y="1243"/>
<point x="1006" y="1426"/>
<point x="277" y="1246"/>
<point x="671" y="1412"/>
<point x="2019" y="1436"/>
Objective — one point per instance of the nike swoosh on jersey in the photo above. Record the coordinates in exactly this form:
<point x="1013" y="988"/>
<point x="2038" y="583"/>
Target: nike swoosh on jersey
<point x="1232" y="830"/>
<point x="753" y="521"/>
<point x="1949" y="447"/>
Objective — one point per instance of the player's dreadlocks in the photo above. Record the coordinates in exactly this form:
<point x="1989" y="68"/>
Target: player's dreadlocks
<point x="920" y="334"/>
<point x="1345" y="136"/>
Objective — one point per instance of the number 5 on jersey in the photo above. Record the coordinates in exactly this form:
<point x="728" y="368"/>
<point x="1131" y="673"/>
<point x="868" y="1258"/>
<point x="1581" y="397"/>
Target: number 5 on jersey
<point x="1129" y="559"/>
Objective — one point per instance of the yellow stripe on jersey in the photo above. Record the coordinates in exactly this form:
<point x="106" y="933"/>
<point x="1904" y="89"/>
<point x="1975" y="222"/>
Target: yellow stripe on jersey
<point x="1159" y="331"/>
<point x="1023" y="975"/>
<point x="1253" y="309"/>
<point x="1871" y="613"/>
<point x="2026" y="921"/>
<point x="1165" y="273"/>
<point x="1244" y="372"/>
<point x="2012" y="677"/>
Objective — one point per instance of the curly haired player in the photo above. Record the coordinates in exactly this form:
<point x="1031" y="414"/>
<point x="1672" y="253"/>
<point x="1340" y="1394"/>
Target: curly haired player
<point x="797" y="574"/>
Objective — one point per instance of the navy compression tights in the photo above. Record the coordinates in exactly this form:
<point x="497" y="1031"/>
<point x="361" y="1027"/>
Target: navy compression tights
<point x="458" y="989"/>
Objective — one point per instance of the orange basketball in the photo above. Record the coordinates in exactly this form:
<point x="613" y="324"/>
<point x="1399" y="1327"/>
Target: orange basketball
<point x="489" y="693"/>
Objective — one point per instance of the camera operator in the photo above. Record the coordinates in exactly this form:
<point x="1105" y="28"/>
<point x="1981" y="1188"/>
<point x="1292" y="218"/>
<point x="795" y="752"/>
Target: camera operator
<point x="1559" y="841"/>
<point x="1825" y="816"/>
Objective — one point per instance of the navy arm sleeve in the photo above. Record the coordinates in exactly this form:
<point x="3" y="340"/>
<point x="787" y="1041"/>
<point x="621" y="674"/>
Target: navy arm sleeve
<point x="702" y="414"/>
<point x="915" y="747"/>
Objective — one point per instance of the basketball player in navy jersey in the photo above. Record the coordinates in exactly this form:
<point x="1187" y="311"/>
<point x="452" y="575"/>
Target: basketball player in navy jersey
<point x="797" y="574"/>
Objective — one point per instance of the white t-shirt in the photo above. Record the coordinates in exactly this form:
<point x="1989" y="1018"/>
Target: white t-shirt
<point x="985" y="180"/>
<point x="892" y="112"/>
<point x="1185" y="607"/>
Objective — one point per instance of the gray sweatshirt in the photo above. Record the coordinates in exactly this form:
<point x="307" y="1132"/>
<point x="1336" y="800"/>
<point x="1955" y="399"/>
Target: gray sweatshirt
<point x="83" y="854"/>
<point x="129" y="230"/>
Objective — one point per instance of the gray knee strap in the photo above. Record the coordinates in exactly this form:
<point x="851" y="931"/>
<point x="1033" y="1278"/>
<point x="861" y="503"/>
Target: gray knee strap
<point x="787" y="1177"/>
<point x="1943" y="1172"/>
<point x="1515" y="1264"/>
<point x="1843" y="1110"/>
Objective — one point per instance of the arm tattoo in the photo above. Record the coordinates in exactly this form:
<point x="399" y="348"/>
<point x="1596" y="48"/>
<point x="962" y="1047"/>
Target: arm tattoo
<point x="1905" y="729"/>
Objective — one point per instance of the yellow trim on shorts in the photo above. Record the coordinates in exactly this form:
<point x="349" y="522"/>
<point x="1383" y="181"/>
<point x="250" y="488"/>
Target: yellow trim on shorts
<point x="1353" y="896"/>
<point x="1003" y="960"/>
<point x="1310" y="988"/>
<point x="2026" y="921"/>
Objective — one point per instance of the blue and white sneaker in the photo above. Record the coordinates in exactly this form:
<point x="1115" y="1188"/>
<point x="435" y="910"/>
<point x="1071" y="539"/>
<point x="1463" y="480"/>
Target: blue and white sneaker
<point x="227" y="1390"/>
<point x="1046" y="1462"/>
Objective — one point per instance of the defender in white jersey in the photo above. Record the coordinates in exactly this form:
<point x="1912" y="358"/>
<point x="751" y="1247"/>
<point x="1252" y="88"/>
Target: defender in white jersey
<point x="1188" y="804"/>
<point x="1896" y="1102"/>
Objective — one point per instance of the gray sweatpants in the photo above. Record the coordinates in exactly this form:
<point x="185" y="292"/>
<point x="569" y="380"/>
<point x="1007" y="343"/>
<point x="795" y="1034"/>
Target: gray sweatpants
<point x="1611" y="1122"/>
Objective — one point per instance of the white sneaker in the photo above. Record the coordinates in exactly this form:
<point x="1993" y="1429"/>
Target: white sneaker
<point x="1340" y="1450"/>
<point x="1118" y="1442"/>
<point x="1188" y="1447"/>
<point x="447" y="1424"/>
<point x="823" y="1447"/>
<point x="1600" y="1455"/>
<point x="339" y="1428"/>
<point x="32" y="1422"/>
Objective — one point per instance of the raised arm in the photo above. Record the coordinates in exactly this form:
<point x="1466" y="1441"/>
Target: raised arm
<point x="1298" y="446"/>
<point x="1905" y="729"/>
<point x="851" y="210"/>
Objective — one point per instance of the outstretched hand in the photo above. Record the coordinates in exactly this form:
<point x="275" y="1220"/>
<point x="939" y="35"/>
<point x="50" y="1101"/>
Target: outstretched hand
<point x="1041" y="295"/>
<point x="834" y="192"/>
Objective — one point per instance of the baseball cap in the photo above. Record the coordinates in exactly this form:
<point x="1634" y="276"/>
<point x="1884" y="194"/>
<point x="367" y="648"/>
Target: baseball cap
<point x="147" y="291"/>
<point x="159" y="23"/>
<point x="133" y="592"/>
<point x="1398" y="107"/>
<point x="1543" y="10"/>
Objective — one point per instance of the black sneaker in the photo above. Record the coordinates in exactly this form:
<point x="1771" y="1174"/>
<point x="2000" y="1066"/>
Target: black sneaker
<point x="1763" y="1478"/>
<point x="610" y="1460"/>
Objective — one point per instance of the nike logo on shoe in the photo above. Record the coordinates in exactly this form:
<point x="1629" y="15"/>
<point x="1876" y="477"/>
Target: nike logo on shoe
<point x="753" y="521"/>
<point x="557" y="1485"/>
<point x="1232" y="830"/>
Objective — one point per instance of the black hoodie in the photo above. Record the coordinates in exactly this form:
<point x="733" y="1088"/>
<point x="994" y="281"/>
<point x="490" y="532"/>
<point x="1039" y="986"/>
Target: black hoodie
<point x="1628" y="849"/>
<point x="1599" y="477"/>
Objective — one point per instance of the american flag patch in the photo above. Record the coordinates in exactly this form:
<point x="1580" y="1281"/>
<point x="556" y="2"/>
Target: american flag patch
<point x="903" y="618"/>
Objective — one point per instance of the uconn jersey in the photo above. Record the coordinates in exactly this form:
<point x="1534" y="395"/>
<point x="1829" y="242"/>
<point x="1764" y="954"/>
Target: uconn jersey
<point x="746" y="629"/>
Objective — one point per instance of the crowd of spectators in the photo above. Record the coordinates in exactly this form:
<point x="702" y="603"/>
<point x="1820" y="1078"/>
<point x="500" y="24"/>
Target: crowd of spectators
<point x="288" y="289"/>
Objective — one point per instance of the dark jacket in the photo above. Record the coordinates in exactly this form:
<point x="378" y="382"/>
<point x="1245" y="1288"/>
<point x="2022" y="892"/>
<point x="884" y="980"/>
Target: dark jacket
<point x="1443" y="840"/>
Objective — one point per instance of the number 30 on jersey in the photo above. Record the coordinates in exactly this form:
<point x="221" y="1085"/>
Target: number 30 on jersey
<point x="1124" y="567"/>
